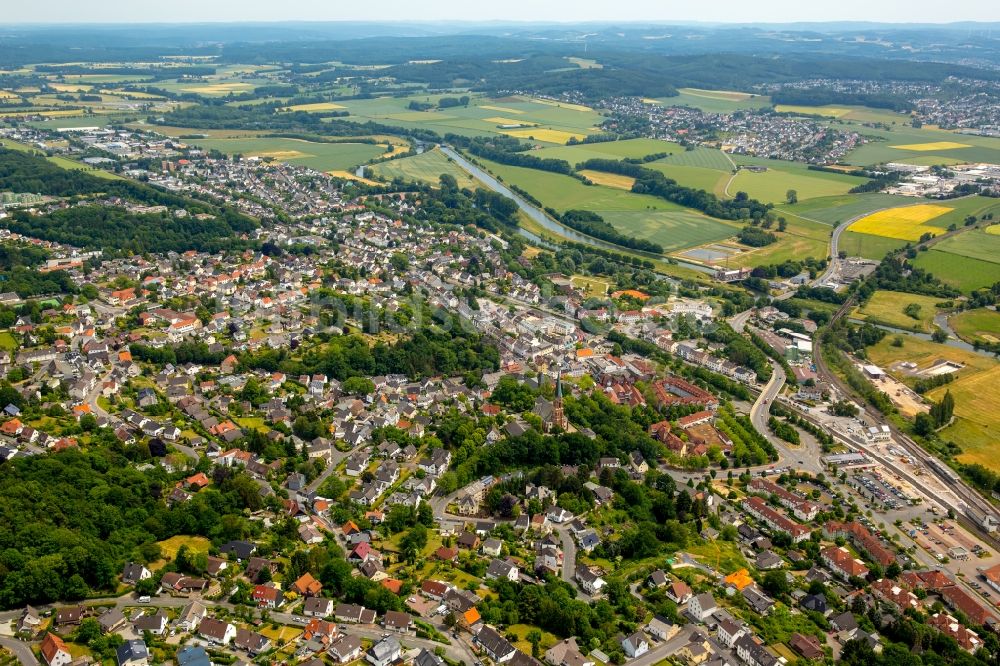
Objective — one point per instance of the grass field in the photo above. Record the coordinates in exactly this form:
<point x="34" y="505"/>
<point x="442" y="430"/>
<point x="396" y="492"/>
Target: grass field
<point x="314" y="155"/>
<point x="608" y="150"/>
<point x="980" y="324"/>
<point x="710" y="180"/>
<point x="706" y="158"/>
<point x="565" y="193"/>
<point x="977" y="406"/>
<point x="960" y="272"/>
<point x="929" y="146"/>
<point x="169" y="547"/>
<point x="556" y="123"/>
<point x="592" y="286"/>
<point x="886" y="307"/>
<point x="836" y="209"/>
<point x="426" y="167"/>
<point x="674" y="230"/>
<point x="7" y="341"/>
<point x="608" y="179"/>
<point x="975" y="244"/>
<point x="906" y="223"/>
<point x="802" y="238"/>
<point x="772" y="185"/>
<point x="713" y="101"/>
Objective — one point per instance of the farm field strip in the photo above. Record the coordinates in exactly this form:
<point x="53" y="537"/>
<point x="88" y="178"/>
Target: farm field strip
<point x="905" y="223"/>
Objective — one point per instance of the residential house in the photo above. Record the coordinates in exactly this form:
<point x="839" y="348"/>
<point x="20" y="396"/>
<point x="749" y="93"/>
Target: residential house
<point x="635" y="645"/>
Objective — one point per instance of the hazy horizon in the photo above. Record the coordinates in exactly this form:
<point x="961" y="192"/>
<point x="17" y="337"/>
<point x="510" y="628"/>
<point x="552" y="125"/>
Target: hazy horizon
<point x="521" y="11"/>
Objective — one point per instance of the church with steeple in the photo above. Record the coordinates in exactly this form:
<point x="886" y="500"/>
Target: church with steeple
<point x="551" y="412"/>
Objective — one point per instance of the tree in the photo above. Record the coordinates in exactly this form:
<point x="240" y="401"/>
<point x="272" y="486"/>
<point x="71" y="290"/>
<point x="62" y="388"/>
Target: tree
<point x="534" y="636"/>
<point x="939" y="335"/>
<point x="358" y="386"/>
<point x="791" y="196"/>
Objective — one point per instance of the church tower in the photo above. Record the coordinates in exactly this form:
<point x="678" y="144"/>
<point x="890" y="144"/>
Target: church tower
<point x="558" y="416"/>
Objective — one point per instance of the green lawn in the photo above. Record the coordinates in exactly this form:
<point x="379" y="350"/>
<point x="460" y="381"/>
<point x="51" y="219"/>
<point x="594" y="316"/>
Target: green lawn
<point x="7" y="341"/>
<point x="723" y="556"/>
<point x="426" y="167"/>
<point x="886" y="307"/>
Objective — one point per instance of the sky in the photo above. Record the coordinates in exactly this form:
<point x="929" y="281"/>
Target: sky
<point x="735" y="11"/>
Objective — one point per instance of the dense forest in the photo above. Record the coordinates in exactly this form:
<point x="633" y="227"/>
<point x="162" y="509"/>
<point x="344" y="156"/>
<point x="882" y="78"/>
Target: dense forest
<point x="108" y="229"/>
<point x="824" y="96"/>
<point x="426" y="353"/>
<point x="18" y="273"/>
<point x="72" y="520"/>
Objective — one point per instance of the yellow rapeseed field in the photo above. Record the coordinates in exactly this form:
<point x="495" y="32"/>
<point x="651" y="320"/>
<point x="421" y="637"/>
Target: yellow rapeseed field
<point x="933" y="145"/>
<point x="907" y="223"/>
<point x="318" y="106"/>
<point x="993" y="229"/>
<point x="502" y="109"/>
<point x="609" y="179"/>
<point x="499" y="120"/>
<point x="832" y="111"/>
<point x="547" y="135"/>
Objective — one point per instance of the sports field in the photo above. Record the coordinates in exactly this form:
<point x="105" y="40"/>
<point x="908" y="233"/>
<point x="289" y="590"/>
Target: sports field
<point x="887" y="307"/>
<point x="906" y="223"/>
<point x="980" y="324"/>
<point x="426" y="167"/>
<point x="313" y="155"/>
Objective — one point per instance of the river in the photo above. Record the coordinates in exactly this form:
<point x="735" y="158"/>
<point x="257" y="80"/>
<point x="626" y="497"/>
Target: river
<point x="539" y="216"/>
<point x="952" y="341"/>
